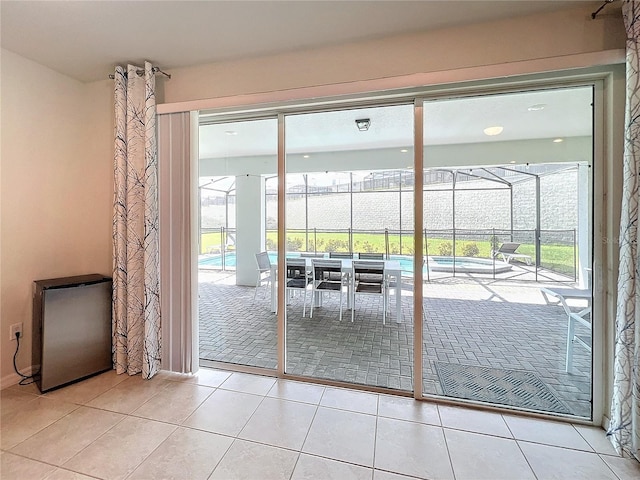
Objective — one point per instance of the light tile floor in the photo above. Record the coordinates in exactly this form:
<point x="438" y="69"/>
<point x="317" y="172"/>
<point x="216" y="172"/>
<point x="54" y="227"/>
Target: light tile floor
<point x="223" y="425"/>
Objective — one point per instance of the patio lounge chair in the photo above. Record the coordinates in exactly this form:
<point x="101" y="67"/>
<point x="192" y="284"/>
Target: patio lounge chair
<point x="573" y="318"/>
<point x="508" y="251"/>
<point x="230" y="244"/>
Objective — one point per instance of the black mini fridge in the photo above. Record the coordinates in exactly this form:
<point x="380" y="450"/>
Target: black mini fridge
<point x="71" y="329"/>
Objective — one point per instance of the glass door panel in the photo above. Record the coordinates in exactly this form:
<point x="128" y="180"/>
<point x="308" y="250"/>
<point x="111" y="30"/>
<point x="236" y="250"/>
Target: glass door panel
<point x="349" y="194"/>
<point x="507" y="214"/>
<point x="238" y="233"/>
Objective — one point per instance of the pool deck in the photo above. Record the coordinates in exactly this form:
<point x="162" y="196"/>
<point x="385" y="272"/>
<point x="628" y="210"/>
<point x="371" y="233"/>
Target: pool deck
<point x="502" y="323"/>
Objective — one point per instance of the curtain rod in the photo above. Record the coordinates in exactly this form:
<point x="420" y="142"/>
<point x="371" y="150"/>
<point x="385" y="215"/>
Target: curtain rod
<point x="140" y="73"/>
<point x="606" y="2"/>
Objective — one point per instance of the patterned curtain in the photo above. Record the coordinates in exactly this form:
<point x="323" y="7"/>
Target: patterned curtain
<point x="624" y="429"/>
<point x="136" y="303"/>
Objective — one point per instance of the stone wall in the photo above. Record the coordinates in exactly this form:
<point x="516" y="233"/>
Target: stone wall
<point x="475" y="208"/>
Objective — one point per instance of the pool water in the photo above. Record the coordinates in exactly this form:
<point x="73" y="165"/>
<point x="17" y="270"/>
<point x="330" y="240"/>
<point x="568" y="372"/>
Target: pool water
<point x="216" y="260"/>
<point x="436" y="264"/>
<point x="406" y="263"/>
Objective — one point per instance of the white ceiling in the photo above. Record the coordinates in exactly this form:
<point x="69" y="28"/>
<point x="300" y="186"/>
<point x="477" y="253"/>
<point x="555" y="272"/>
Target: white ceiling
<point x="85" y="39"/>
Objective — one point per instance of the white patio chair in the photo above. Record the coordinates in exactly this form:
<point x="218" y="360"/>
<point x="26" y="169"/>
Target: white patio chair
<point x="341" y="256"/>
<point x="369" y="278"/>
<point x="371" y="256"/>
<point x="573" y="319"/>
<point x="327" y="278"/>
<point x="298" y="278"/>
<point x="264" y="271"/>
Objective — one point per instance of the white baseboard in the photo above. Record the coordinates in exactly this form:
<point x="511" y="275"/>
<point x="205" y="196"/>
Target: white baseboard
<point x="9" y="380"/>
<point x="14" y="378"/>
<point x="605" y="422"/>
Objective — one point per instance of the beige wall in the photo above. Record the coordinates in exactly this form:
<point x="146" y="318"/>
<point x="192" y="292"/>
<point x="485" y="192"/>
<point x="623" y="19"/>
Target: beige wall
<point x="55" y="188"/>
<point x="536" y="37"/>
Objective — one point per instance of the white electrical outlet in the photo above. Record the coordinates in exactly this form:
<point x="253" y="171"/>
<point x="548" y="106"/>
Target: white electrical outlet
<point x="15" y="328"/>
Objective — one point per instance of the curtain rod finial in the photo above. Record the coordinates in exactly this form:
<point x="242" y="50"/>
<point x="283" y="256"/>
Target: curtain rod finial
<point x="595" y="14"/>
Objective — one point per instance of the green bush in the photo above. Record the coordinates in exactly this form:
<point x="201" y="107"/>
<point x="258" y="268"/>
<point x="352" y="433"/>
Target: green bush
<point x="294" y="244"/>
<point x="334" y="245"/>
<point x="470" y="250"/>
<point x="367" y="247"/>
<point x="445" y="249"/>
<point x="428" y="249"/>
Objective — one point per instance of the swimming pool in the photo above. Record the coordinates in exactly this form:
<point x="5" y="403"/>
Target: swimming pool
<point x="406" y="263"/>
<point x="436" y="264"/>
<point x="467" y="265"/>
<point x="216" y="260"/>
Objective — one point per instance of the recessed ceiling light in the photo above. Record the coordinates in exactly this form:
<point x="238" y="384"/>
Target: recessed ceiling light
<point x="363" y="124"/>
<point x="305" y="156"/>
<point x="404" y="150"/>
<point x="491" y="131"/>
<point x="537" y="107"/>
<point x="231" y="132"/>
<point x="558" y="140"/>
<point x="512" y="161"/>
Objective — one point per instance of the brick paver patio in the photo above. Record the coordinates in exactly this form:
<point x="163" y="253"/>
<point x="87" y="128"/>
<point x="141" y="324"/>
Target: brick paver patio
<point x="469" y="321"/>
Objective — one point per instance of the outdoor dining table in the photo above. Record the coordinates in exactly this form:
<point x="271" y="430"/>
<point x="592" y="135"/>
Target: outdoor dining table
<point x="392" y="270"/>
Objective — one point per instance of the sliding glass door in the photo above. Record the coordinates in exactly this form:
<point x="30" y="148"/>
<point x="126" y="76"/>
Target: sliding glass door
<point x="506" y="196"/>
<point x="507" y="216"/>
<point x="349" y="199"/>
<point x="236" y="297"/>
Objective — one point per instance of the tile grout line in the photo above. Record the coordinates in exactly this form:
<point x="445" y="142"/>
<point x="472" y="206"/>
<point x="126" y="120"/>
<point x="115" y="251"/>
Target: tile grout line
<point x="124" y="417"/>
<point x="526" y="459"/>
<point x="299" y="450"/>
<point x="446" y="445"/>
<point x="252" y="414"/>
<point x="375" y="436"/>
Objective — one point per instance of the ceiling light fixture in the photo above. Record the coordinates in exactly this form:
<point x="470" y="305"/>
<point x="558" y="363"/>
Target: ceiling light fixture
<point x="491" y="131"/>
<point x="363" y="124"/>
<point x="305" y="156"/>
<point x="231" y="132"/>
<point x="404" y="150"/>
<point x="537" y="107"/>
<point x="558" y="140"/>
